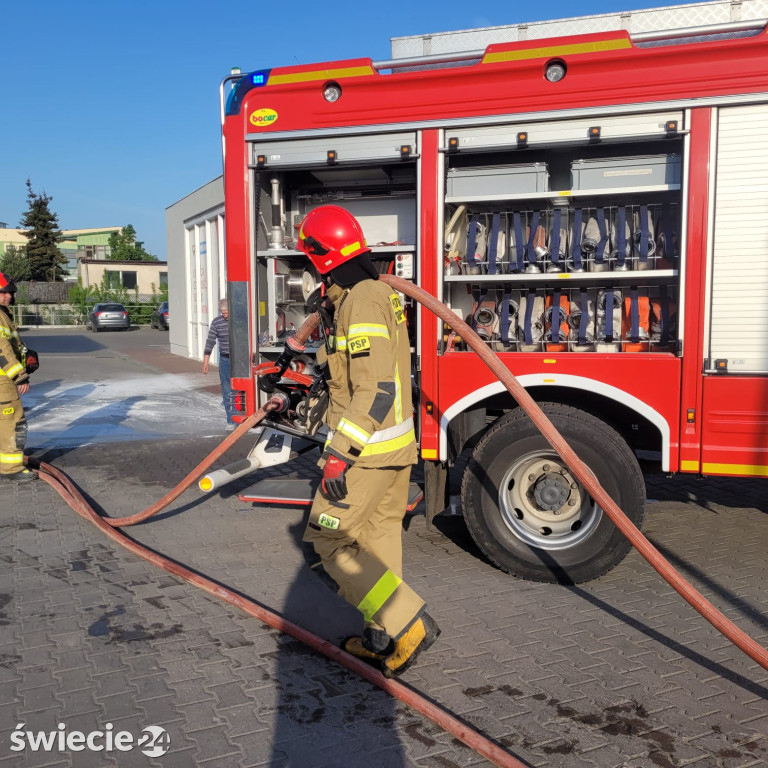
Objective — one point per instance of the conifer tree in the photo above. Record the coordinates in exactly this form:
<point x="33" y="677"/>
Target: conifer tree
<point x="14" y="263"/>
<point x="125" y="247"/>
<point x="41" y="227"/>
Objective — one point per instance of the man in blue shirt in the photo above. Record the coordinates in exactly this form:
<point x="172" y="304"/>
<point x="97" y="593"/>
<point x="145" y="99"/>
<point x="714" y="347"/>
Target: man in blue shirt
<point x="219" y="332"/>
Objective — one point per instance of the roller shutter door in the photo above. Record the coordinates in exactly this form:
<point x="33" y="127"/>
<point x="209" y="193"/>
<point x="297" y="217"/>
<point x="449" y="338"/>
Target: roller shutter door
<point x="739" y="309"/>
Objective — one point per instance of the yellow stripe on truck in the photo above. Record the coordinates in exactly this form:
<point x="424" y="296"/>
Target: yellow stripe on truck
<point x="559" y="50"/>
<point x="319" y="74"/>
<point x="751" y="470"/>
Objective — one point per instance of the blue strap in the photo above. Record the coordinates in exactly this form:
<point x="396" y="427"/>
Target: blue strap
<point x="644" y="234"/>
<point x="472" y="241"/>
<point x="555" y="330"/>
<point x="528" y="315"/>
<point x="584" y="319"/>
<point x="519" y="245"/>
<point x="492" y="251"/>
<point x="669" y="234"/>
<point x="664" y="301"/>
<point x="621" y="239"/>
<point x="505" y="319"/>
<point x="531" y="237"/>
<point x="554" y="251"/>
<point x="576" y="239"/>
<point x="609" y="315"/>
<point x="600" y="251"/>
<point x="634" y="316"/>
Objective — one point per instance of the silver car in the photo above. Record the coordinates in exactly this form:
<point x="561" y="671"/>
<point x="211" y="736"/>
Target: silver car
<point x="108" y="315"/>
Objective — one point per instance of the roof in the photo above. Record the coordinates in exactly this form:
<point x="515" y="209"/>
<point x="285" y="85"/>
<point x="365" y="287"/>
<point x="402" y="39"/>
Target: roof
<point x="95" y="230"/>
<point x="65" y="233"/>
<point x="124" y="261"/>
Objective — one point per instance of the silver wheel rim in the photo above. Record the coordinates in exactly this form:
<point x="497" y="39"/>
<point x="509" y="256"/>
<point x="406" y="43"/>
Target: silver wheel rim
<point x="543" y="504"/>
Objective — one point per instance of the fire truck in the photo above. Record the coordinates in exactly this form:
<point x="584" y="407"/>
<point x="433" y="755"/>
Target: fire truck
<point x="594" y="206"/>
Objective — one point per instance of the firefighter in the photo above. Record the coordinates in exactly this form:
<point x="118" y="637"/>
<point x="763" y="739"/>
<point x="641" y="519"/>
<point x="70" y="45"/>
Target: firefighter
<point x="16" y="363"/>
<point x="355" y="524"/>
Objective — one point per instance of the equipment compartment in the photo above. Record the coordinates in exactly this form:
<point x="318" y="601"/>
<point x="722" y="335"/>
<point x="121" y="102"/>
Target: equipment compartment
<point x="590" y="232"/>
<point x="588" y="318"/>
<point x="381" y="196"/>
<point x="589" y="238"/>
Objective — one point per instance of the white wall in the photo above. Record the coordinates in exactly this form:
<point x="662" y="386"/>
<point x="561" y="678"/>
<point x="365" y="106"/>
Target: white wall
<point x="196" y="273"/>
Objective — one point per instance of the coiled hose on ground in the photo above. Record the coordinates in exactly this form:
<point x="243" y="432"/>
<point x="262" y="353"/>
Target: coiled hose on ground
<point x="476" y="741"/>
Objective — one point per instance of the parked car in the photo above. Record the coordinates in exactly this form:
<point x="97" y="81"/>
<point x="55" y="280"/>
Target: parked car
<point x="159" y="317"/>
<point x="111" y="315"/>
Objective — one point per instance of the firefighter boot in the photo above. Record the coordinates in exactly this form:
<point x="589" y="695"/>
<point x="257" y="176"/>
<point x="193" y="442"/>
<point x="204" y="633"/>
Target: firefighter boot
<point x="374" y="646"/>
<point x="419" y="636"/>
<point x="22" y="476"/>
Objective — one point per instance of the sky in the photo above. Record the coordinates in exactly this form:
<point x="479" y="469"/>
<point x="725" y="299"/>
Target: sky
<point x="112" y="108"/>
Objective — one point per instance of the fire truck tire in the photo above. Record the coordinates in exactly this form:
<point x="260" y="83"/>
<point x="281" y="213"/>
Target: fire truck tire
<point x="529" y="515"/>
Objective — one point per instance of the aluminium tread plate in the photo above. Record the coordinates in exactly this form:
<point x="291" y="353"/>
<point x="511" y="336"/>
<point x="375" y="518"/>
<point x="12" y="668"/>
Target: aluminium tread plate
<point x="299" y="492"/>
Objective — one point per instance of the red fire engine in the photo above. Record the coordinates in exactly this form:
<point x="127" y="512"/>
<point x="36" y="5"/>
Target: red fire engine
<point x="595" y="206"/>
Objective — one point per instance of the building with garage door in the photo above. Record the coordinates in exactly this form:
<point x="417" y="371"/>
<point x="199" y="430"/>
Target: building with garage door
<point x="197" y="279"/>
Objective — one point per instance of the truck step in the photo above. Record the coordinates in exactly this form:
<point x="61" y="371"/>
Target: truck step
<point x="299" y="492"/>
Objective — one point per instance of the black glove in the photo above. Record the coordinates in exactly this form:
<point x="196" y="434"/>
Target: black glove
<point x="32" y="363"/>
<point x="283" y="363"/>
<point x="334" y="484"/>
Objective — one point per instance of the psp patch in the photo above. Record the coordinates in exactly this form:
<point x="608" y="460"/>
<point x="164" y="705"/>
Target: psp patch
<point x="397" y="308"/>
<point x="358" y="344"/>
<point x="8" y="411"/>
<point x="327" y="521"/>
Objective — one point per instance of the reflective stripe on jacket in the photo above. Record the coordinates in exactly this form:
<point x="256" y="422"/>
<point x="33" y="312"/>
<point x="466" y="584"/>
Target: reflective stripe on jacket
<point x="11" y="350"/>
<point x="371" y="408"/>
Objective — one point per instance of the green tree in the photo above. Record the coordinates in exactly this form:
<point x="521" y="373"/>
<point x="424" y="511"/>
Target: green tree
<point x="125" y="247"/>
<point x="15" y="264"/>
<point x="41" y="227"/>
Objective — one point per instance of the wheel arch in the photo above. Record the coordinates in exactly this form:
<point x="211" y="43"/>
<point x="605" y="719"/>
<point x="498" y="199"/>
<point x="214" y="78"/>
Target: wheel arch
<point x="642" y="426"/>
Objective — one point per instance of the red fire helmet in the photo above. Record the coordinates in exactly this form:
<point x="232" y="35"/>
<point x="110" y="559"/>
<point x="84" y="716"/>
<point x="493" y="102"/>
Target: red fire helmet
<point x="6" y="284"/>
<point x="330" y="236"/>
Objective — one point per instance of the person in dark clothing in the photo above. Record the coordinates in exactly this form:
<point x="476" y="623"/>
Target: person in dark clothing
<point x="219" y="332"/>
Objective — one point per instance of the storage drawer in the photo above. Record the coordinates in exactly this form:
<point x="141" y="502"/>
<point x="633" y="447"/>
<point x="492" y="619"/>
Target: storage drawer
<point x="497" y="181"/>
<point x="618" y="172"/>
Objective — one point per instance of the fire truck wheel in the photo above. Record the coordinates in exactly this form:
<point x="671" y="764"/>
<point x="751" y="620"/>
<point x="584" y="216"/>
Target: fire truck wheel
<point x="530" y="516"/>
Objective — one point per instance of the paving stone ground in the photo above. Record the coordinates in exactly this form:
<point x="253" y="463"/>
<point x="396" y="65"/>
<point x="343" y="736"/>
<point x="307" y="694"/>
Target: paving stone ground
<point x="616" y="673"/>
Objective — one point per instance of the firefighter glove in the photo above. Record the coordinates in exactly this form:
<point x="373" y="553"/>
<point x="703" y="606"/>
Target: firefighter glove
<point x="283" y="363"/>
<point x="32" y="362"/>
<point x="334" y="484"/>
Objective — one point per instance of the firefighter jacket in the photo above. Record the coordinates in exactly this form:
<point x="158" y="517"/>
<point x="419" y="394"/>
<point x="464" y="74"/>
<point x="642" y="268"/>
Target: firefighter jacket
<point x="12" y="351"/>
<point x="370" y="412"/>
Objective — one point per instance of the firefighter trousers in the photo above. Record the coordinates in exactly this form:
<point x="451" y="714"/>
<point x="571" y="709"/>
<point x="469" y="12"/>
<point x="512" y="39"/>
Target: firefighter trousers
<point x="359" y="543"/>
<point x="13" y="428"/>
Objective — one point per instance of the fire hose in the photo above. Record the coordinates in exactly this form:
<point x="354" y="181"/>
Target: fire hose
<point x="584" y="475"/>
<point x="452" y="725"/>
<point x="74" y="498"/>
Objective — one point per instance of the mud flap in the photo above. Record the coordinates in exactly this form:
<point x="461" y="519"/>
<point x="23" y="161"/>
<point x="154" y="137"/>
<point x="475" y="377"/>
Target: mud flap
<point x="435" y="489"/>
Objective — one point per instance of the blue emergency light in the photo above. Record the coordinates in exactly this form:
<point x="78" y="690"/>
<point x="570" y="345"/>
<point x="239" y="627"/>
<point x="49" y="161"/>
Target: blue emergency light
<point x="257" y="79"/>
